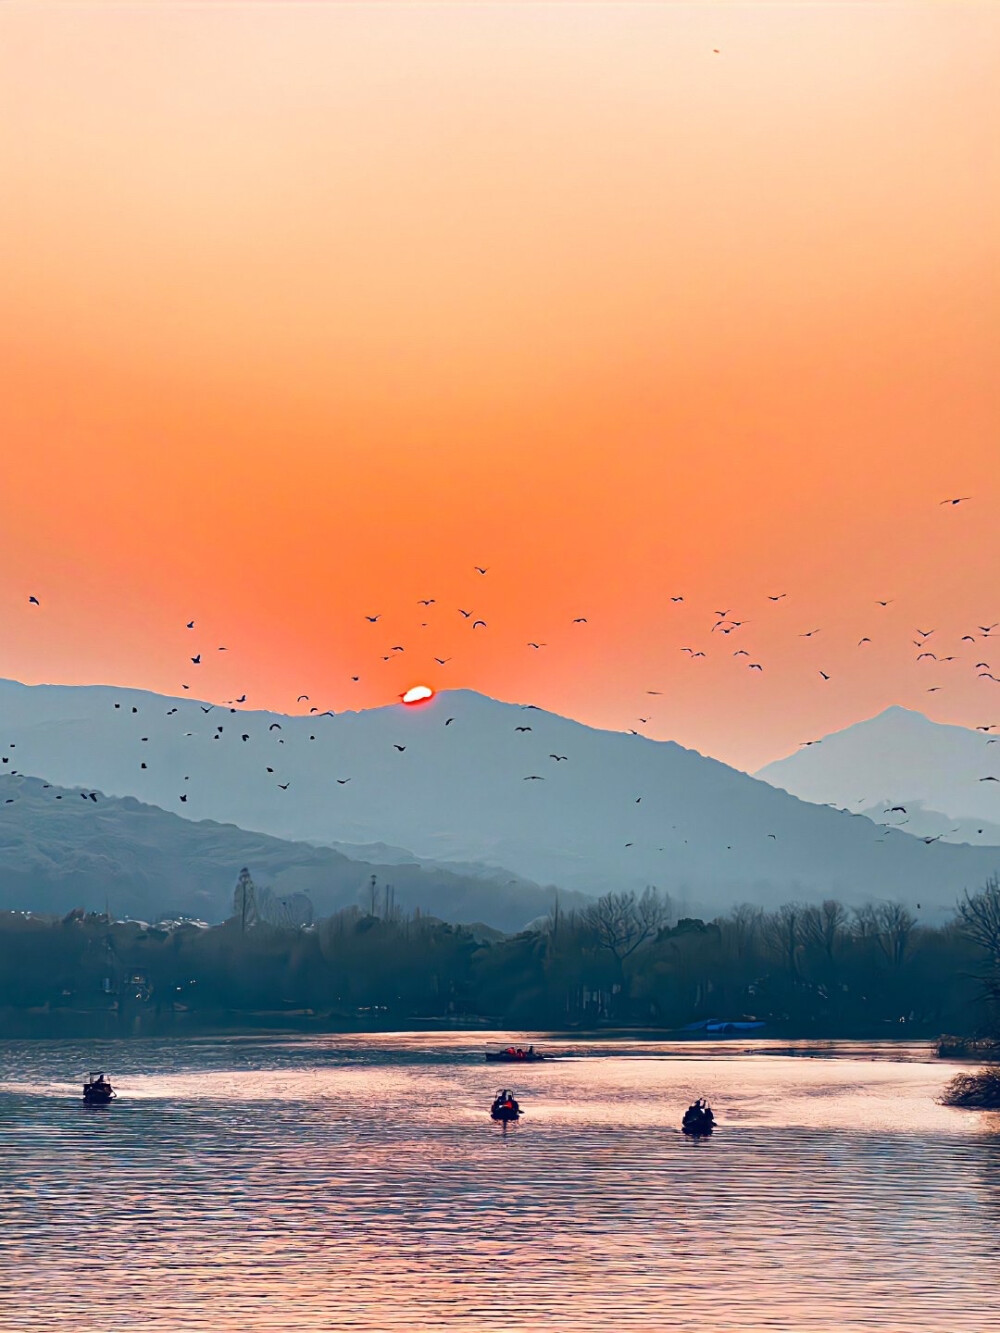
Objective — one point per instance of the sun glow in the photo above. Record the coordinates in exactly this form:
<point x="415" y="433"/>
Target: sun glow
<point x="417" y="694"/>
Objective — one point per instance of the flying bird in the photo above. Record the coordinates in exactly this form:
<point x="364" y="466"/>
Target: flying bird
<point x="957" y="501"/>
<point x="284" y="785"/>
<point x="197" y="660"/>
<point x="303" y="698"/>
<point x="467" y="614"/>
<point x="580" y="620"/>
<point x="754" y="666"/>
<point x="522" y="728"/>
<point x="895" y="810"/>
<point x="33" y="601"/>
<point x="677" y="599"/>
<point x="885" y="603"/>
<point x="990" y="779"/>
<point x="864" y="640"/>
<point x="207" y="709"/>
<point x="776" y="598"/>
<point x="400" y="748"/>
<point x="341" y="782"/>
<point x="275" y="726"/>
<point x="449" y="721"/>
<point x="808" y="634"/>
<point x="477" y="623"/>
<point x="440" y="661"/>
<point x="426" y="601"/>
<point x="183" y="798"/>
<point x="533" y="777"/>
<point x="374" y="619"/>
<point x="558" y="757"/>
<point x="536" y="645"/>
<point x="190" y="624"/>
<point x="824" y="675"/>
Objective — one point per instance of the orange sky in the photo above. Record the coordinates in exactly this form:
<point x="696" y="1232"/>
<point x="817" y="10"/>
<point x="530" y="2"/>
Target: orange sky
<point x="309" y="309"/>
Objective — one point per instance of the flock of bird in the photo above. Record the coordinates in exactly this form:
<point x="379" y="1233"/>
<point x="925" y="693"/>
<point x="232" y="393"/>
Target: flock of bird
<point x="724" y="623"/>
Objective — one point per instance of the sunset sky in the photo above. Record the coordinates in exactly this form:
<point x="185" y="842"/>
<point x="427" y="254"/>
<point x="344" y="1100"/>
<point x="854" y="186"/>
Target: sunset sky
<point x="309" y="309"/>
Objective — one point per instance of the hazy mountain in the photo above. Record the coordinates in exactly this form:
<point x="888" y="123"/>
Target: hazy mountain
<point x="902" y="758"/>
<point x="59" y="849"/>
<point x="618" y="811"/>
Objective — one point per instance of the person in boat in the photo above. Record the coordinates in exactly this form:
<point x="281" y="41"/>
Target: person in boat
<point x="531" y="1052"/>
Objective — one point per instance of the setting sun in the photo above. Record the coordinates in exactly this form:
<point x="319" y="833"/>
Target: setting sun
<point x="417" y="694"/>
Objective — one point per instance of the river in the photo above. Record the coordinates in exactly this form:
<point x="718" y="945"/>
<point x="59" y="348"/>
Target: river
<point x="249" y="1184"/>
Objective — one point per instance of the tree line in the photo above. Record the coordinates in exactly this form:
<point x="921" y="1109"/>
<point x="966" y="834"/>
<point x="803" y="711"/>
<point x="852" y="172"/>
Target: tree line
<point x="824" y="970"/>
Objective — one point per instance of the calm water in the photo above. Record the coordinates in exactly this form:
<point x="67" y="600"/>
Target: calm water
<point x="358" y="1183"/>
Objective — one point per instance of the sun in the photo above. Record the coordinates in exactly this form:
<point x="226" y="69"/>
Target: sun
<point x="417" y="694"/>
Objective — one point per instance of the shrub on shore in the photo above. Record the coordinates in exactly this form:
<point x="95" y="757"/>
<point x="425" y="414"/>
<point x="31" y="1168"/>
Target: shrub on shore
<point x="979" y="1091"/>
<point x="968" y="1048"/>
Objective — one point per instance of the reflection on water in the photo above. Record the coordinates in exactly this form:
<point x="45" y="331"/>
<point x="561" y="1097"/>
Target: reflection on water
<point x="358" y="1183"/>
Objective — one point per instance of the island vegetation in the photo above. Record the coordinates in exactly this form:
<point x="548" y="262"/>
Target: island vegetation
<point x="623" y="960"/>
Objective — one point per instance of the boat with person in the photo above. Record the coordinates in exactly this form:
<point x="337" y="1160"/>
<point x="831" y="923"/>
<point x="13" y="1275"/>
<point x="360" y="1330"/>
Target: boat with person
<point x="505" y="1106"/>
<point x="97" y="1091"/>
<point x="516" y="1055"/>
<point x="699" y="1120"/>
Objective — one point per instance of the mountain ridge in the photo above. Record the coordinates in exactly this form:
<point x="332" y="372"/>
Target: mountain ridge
<point x="500" y="784"/>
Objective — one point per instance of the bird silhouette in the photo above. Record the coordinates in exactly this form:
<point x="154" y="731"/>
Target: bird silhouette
<point x="824" y="675"/>
<point x="449" y="721"/>
<point x="989" y="779"/>
<point x="183" y="798"/>
<point x="536" y="645"/>
<point x="754" y="666"/>
<point x="960" y="499"/>
<point x="342" y="782"/>
<point x="677" y="599"/>
<point x="303" y="698"/>
<point x="400" y="748"/>
<point x="885" y="603"/>
<point x="864" y="640"/>
<point x="190" y="624"/>
<point x="776" y="598"/>
<point x="476" y="624"/>
<point x="372" y="620"/>
<point x="426" y="601"/>
<point x="580" y="620"/>
<point x="284" y="785"/>
<point x="808" y="634"/>
<point x="33" y="601"/>
<point x="275" y="726"/>
<point x="533" y="777"/>
<point x="440" y="661"/>
<point x="558" y="757"/>
<point x="207" y="709"/>
<point x="522" y="728"/>
<point x="197" y="660"/>
<point x="467" y="614"/>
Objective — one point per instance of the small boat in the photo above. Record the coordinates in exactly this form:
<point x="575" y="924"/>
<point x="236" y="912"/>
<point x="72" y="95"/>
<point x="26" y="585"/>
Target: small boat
<point x="505" y="1106"/>
<point x="699" y="1120"/>
<point x="516" y="1055"/>
<point x="97" y="1091"/>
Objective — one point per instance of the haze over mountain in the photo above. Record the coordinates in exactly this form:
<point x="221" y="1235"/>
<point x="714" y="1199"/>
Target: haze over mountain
<point x="942" y="775"/>
<point x="612" y="811"/>
<point x="59" y="850"/>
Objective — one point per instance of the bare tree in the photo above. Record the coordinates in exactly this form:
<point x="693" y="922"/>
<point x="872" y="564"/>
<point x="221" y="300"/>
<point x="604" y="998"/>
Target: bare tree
<point x="823" y="926"/>
<point x="895" y="927"/>
<point x="980" y="915"/>
<point x="783" y="933"/>
<point x="746" y="921"/>
<point x="621" y="921"/>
